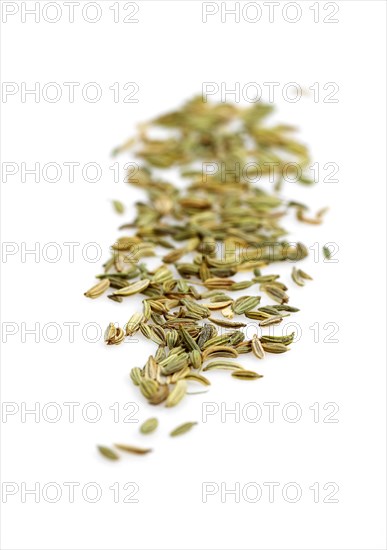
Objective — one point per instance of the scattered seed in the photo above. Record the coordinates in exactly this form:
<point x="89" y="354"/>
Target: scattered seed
<point x="184" y="428"/>
<point x="131" y="449"/>
<point x="246" y="375"/>
<point x="149" y="426"/>
<point x="108" y="453"/>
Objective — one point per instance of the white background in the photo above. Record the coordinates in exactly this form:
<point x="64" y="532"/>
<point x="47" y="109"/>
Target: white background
<point x="169" y="53"/>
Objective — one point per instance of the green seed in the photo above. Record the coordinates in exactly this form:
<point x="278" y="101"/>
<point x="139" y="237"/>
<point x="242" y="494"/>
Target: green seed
<point x="184" y="428"/>
<point x="149" y="426"/>
<point x="108" y="453"/>
<point x="118" y="207"/>
<point x="246" y="375"/>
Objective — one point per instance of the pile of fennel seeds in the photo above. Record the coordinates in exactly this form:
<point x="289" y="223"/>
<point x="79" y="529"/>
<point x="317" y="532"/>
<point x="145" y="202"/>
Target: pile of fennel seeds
<point x="217" y="227"/>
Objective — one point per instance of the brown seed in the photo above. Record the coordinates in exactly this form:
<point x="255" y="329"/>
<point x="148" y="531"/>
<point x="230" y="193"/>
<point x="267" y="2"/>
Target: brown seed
<point x="160" y="395"/>
<point x="131" y="449"/>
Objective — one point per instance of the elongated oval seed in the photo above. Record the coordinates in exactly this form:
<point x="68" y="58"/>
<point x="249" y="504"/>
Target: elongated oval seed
<point x="136" y="376"/>
<point x="219" y="351"/>
<point x="184" y="428"/>
<point x="226" y="324"/>
<point x="274" y="347"/>
<point x="134" y="288"/>
<point x="246" y="303"/>
<point x="149" y="426"/>
<point x="257" y="348"/>
<point x="198" y="378"/>
<point x="148" y="387"/>
<point x="176" y="394"/>
<point x="219" y="305"/>
<point x="98" y="289"/>
<point x="273" y="320"/>
<point x="132" y="449"/>
<point x="133" y="324"/>
<point x="118" y="207"/>
<point x="223" y="365"/>
<point x="108" y="453"/>
<point x="246" y="375"/>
